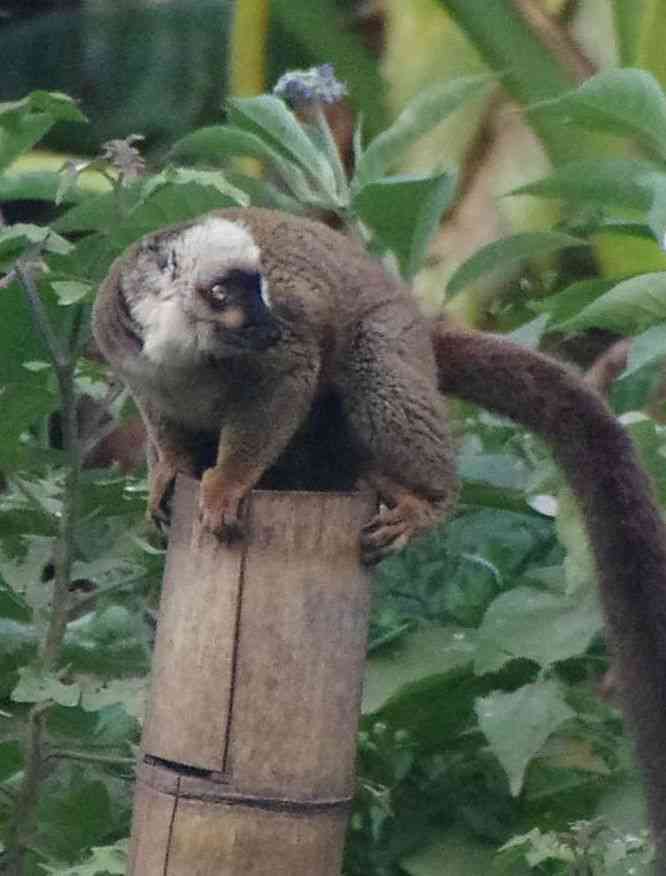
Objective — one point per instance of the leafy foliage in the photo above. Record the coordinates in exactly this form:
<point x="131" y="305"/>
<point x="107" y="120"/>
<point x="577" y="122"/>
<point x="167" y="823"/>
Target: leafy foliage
<point x="481" y="717"/>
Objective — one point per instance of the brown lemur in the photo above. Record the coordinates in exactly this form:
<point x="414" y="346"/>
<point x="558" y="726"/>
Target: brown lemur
<point x="268" y="349"/>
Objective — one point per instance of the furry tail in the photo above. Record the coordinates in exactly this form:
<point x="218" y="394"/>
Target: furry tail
<point x="624" y="524"/>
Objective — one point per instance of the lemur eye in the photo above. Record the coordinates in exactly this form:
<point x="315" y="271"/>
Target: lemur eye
<point x="217" y="295"/>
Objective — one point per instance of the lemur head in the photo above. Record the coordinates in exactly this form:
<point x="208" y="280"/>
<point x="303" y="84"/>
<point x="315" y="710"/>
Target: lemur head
<point x="199" y="292"/>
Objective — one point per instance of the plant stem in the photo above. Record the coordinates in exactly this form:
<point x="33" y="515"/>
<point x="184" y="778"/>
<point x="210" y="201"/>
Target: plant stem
<point x="40" y="318"/>
<point x="63" y="362"/>
<point x="28" y="795"/>
<point x="63" y="553"/>
<point x="84" y="603"/>
<point x="247" y="64"/>
<point x="249" y="32"/>
<point x="88" y="757"/>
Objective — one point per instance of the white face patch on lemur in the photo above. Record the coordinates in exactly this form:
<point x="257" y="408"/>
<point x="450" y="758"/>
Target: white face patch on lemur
<point x="216" y="242"/>
<point x="203" y="253"/>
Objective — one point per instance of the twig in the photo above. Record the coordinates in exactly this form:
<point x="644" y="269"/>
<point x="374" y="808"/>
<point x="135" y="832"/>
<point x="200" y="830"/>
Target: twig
<point x="59" y="358"/>
<point x="105" y="759"/>
<point x="63" y="554"/>
<point x="63" y="363"/>
<point x="80" y="606"/>
<point x="26" y="802"/>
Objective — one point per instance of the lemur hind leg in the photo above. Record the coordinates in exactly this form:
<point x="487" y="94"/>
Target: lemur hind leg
<point x="398" y="419"/>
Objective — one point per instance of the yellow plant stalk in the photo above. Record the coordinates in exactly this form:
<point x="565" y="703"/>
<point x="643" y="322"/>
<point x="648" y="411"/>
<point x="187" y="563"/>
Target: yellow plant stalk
<point x="247" y="59"/>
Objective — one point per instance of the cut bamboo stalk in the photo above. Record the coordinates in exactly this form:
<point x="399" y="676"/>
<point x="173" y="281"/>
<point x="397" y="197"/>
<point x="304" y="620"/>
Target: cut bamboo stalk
<point x="250" y="741"/>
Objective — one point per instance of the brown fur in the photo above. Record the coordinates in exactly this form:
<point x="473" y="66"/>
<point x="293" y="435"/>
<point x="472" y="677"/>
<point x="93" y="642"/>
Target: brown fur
<point x="347" y="338"/>
<point x="350" y="351"/>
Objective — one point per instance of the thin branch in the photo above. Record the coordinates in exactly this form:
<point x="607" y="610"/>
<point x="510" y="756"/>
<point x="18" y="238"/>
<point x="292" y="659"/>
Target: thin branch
<point x="22" y="826"/>
<point x="556" y="39"/>
<point x="59" y="357"/>
<point x="88" y="757"/>
<point x="63" y="363"/>
<point x="63" y="554"/>
<point x="81" y="606"/>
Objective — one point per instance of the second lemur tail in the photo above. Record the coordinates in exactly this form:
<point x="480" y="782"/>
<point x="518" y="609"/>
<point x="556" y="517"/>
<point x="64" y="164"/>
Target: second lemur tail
<point x="623" y="521"/>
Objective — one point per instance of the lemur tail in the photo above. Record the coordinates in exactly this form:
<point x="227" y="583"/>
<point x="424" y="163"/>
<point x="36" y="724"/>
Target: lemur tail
<point x="623" y="521"/>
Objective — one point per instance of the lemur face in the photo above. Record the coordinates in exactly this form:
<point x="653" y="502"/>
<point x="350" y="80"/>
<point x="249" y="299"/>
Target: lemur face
<point x="199" y="292"/>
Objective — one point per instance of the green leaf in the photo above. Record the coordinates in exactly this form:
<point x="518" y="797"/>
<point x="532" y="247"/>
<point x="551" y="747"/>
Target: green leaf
<point x="518" y="724"/>
<point x="273" y="196"/>
<point x="647" y="348"/>
<point x="269" y="118"/>
<point x="75" y="812"/>
<point x="102" y="861"/>
<point x="454" y="852"/>
<point x="426" y="651"/>
<point x="214" y="145"/>
<point x="23" y="402"/>
<point x="627" y="19"/>
<point x="509" y="250"/>
<point x="536" y="849"/>
<point x="90" y="260"/>
<point x="435" y="709"/>
<point x="404" y="212"/>
<point x="570" y="301"/>
<point x="173" y="202"/>
<point x="530" y="71"/>
<point x="656" y="182"/>
<point x="97" y="213"/>
<point x="424" y="112"/>
<point x="37" y="686"/>
<point x="505" y="540"/>
<point x="19" y="134"/>
<point x="580" y="573"/>
<point x="629" y="307"/>
<point x="612" y="182"/>
<point x="71" y="291"/>
<point x="628" y="102"/>
<point x="217" y="143"/>
<point x="22" y="573"/>
<point x="60" y="107"/>
<point x="11" y="759"/>
<point x="168" y="204"/>
<point x="536" y="625"/>
<point x="15" y="239"/>
<point x="529" y="334"/>
<point x="648" y="438"/>
<point x="130" y="692"/>
<point x="35" y="186"/>
<point x="24" y="122"/>
<point x="183" y="176"/>
<point x="618" y="227"/>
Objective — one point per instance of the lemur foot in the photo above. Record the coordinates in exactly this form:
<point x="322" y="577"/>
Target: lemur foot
<point x="220" y="506"/>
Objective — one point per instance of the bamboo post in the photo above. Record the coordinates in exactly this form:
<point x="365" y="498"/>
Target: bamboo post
<point x="250" y="740"/>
